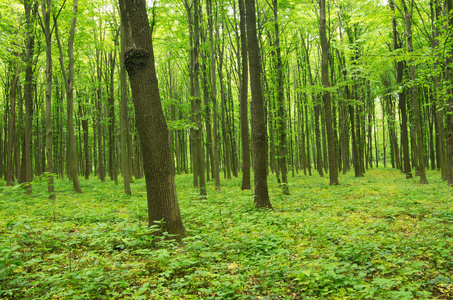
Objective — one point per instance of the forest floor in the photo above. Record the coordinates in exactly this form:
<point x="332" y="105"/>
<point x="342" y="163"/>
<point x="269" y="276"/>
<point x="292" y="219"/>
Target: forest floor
<point x="376" y="237"/>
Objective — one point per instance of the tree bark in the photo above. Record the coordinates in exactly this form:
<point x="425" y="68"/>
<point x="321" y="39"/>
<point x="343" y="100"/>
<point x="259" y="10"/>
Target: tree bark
<point x="414" y="93"/>
<point x="449" y="101"/>
<point x="333" y="170"/>
<point x="124" y="124"/>
<point x="113" y="170"/>
<point x="69" y="85"/>
<point x="46" y="6"/>
<point x="245" y="143"/>
<point x="261" y="193"/>
<point x="281" y="132"/>
<point x="151" y="124"/>
<point x="401" y="101"/>
<point x="11" y="125"/>
<point x="27" y="175"/>
<point x="316" y="109"/>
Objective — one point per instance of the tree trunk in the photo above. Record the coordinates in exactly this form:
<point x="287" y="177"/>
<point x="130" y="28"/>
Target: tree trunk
<point x="281" y="129"/>
<point x="113" y="171"/>
<point x="333" y="170"/>
<point x="28" y="96"/>
<point x="316" y="109"/>
<point x="215" y="147"/>
<point x="11" y="125"/>
<point x="69" y="85"/>
<point x="243" y="103"/>
<point x="261" y="194"/>
<point x="449" y="101"/>
<point x="401" y="102"/>
<point x="86" y="166"/>
<point x="414" y="94"/>
<point x="46" y="6"/>
<point x="151" y="124"/>
<point x="124" y="124"/>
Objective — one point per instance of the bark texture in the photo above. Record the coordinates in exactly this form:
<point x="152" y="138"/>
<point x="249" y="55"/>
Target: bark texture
<point x="333" y="171"/>
<point x="151" y="124"/>
<point x="261" y="193"/>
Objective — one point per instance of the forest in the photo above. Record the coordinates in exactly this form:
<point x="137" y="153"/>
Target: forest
<point x="226" y="149"/>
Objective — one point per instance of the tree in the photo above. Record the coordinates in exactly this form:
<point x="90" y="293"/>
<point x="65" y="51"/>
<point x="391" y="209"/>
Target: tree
<point x="159" y="173"/>
<point x="194" y="73"/>
<point x="69" y="86"/>
<point x="401" y="101"/>
<point x="281" y="124"/>
<point x="407" y="15"/>
<point x="26" y="167"/>
<point x="449" y="104"/>
<point x="333" y="171"/>
<point x="126" y="170"/>
<point x="243" y="104"/>
<point x="46" y="6"/>
<point x="214" y="149"/>
<point x="11" y="125"/>
<point x="259" y="141"/>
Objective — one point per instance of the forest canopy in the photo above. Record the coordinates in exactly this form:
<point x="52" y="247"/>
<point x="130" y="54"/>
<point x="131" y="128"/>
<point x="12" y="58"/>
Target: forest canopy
<point x="388" y="69"/>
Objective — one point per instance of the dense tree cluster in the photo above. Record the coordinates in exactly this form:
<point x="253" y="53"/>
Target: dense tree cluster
<point x="334" y="85"/>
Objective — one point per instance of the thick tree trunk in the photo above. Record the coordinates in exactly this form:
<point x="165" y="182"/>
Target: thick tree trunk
<point x="151" y="124"/>
<point x="261" y="193"/>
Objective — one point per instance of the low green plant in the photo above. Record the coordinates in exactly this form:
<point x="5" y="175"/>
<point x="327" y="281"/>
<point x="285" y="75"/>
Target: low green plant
<point x="376" y="237"/>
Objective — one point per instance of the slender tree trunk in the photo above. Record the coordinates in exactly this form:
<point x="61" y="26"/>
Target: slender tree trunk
<point x="86" y="166"/>
<point x="215" y="148"/>
<point x="69" y="85"/>
<point x="197" y="101"/>
<point x="223" y="97"/>
<point x="124" y="122"/>
<point x="111" y="114"/>
<point x="333" y="170"/>
<point x="46" y="6"/>
<point x="440" y="137"/>
<point x="282" y="139"/>
<point x="401" y="102"/>
<point x="11" y="125"/>
<point x="414" y="93"/>
<point x="19" y="131"/>
<point x="28" y="96"/>
<point x="449" y="101"/>
<point x="261" y="194"/>
<point x="159" y="171"/>
<point x="243" y="104"/>
<point x="316" y="108"/>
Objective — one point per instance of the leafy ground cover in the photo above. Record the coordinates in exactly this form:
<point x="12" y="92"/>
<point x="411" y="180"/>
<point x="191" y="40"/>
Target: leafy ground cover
<point x="376" y="237"/>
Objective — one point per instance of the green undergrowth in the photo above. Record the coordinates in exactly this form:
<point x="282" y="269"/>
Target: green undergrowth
<point x="376" y="237"/>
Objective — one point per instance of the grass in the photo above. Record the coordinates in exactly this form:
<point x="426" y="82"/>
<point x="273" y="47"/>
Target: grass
<point x="376" y="237"/>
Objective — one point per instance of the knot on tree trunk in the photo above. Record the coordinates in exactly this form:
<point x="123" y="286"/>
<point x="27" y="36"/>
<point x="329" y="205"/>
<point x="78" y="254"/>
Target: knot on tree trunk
<point x="135" y="59"/>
